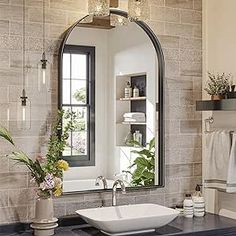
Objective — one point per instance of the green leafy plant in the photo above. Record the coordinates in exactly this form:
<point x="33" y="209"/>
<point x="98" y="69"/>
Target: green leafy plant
<point x="46" y="171"/>
<point x="80" y="95"/>
<point x="218" y="84"/>
<point x="143" y="173"/>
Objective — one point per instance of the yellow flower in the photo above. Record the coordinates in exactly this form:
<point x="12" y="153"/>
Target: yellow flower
<point x="63" y="165"/>
<point x="57" y="192"/>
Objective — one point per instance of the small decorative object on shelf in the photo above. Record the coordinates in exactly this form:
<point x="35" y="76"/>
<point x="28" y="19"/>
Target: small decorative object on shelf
<point x="135" y="92"/>
<point x="138" y="138"/>
<point x="218" y="85"/>
<point x="129" y="139"/>
<point x="232" y="92"/>
<point x="128" y="90"/>
<point x="46" y="172"/>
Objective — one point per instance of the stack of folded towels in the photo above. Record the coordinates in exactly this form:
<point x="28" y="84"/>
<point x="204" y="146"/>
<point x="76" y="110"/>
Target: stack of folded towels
<point x="134" y="117"/>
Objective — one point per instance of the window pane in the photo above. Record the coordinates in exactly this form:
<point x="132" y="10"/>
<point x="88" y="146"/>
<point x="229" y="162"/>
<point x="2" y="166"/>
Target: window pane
<point x="81" y="119"/>
<point x="66" y="65"/>
<point x="78" y="91"/>
<point x="67" y="151"/>
<point x="66" y="91"/>
<point x="79" y="66"/>
<point x="79" y="136"/>
<point x="79" y="143"/>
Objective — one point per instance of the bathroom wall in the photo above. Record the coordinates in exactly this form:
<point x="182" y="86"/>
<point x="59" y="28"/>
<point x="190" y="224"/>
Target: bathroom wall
<point x="178" y="26"/>
<point x="219" y="56"/>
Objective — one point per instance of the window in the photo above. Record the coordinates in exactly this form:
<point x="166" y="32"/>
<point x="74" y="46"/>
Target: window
<point x="77" y="89"/>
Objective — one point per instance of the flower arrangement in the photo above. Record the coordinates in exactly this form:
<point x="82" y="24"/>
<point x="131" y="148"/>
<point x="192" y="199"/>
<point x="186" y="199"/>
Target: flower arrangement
<point x="47" y="171"/>
<point x="218" y="85"/>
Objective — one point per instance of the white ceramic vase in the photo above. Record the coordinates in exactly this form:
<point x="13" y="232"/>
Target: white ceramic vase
<point x="44" y="222"/>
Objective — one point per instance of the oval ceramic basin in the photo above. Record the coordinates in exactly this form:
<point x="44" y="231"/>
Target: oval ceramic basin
<point x="121" y="220"/>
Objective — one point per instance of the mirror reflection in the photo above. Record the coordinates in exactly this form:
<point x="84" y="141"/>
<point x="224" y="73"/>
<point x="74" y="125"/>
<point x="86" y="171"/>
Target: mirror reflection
<point x="110" y="80"/>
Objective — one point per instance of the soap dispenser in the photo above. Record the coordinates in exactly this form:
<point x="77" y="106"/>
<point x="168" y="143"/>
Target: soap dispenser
<point x="188" y="206"/>
<point x="128" y="90"/>
<point x="198" y="202"/>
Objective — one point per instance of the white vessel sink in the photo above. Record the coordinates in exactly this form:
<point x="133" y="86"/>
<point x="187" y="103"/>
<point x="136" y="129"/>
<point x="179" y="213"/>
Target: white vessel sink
<point x="130" y="219"/>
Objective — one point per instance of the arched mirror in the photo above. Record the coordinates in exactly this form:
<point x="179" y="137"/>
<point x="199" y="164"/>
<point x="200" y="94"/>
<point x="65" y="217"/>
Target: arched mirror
<point x="112" y="78"/>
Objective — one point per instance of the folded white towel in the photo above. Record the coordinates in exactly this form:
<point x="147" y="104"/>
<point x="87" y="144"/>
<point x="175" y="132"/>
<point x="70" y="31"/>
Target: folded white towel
<point x="142" y="119"/>
<point x="134" y="115"/>
<point x="231" y="179"/>
<point x="218" y="145"/>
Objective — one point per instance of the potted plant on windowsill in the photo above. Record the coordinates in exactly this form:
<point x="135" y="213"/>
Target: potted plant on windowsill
<point x="218" y="85"/>
<point x="46" y="171"/>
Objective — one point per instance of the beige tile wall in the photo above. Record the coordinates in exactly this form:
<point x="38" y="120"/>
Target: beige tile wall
<point x="178" y="26"/>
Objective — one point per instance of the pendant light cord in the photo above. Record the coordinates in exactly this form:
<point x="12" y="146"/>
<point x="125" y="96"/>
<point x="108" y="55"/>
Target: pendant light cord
<point x="23" y="46"/>
<point x="44" y="19"/>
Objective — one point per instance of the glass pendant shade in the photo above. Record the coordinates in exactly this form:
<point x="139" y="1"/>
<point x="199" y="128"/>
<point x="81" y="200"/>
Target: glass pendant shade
<point x="44" y="72"/>
<point x="99" y="7"/>
<point x="23" y="112"/>
<point x="118" y="20"/>
<point x="138" y="10"/>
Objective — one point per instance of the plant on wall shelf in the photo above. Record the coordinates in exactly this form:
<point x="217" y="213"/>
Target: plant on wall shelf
<point x="143" y="166"/>
<point x="218" y="85"/>
<point x="46" y="171"/>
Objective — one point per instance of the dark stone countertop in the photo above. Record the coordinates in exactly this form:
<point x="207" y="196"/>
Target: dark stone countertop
<point x="205" y="226"/>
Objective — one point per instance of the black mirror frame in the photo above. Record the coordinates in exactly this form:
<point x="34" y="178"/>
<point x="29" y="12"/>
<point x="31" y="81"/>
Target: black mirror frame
<point x="159" y="106"/>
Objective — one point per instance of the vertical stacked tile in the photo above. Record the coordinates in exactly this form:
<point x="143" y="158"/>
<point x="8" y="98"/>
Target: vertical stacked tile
<point x="178" y="26"/>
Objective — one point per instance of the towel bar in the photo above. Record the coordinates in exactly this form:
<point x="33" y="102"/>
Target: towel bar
<point x="208" y="123"/>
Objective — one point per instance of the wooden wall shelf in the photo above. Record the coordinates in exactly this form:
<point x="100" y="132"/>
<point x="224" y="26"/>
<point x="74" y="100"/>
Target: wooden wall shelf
<point x="216" y="105"/>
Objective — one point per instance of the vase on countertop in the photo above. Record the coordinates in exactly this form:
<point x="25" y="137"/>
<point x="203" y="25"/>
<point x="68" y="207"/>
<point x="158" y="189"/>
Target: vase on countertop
<point x="44" y="222"/>
<point x="217" y="97"/>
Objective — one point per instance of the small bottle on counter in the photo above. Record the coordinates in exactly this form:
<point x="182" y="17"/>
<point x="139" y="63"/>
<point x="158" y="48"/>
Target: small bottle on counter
<point x="135" y="92"/>
<point x="138" y="137"/>
<point x="128" y="90"/>
<point x="198" y="202"/>
<point x="188" y="206"/>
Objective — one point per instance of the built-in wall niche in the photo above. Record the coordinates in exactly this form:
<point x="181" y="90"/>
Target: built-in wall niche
<point x="130" y="105"/>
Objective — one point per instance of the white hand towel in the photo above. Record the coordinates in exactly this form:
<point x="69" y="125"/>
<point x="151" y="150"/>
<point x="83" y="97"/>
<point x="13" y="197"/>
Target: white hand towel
<point x="231" y="180"/>
<point x="218" y="145"/>
<point x="134" y="115"/>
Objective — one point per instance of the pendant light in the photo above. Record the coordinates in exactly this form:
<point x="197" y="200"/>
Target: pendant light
<point x="99" y="7"/>
<point x="138" y="10"/>
<point x="44" y="65"/>
<point x="117" y="20"/>
<point x="23" y="104"/>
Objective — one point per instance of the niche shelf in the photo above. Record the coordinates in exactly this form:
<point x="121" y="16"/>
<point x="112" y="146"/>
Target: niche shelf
<point x="216" y="105"/>
<point x="133" y="104"/>
<point x="133" y="123"/>
<point x="133" y="99"/>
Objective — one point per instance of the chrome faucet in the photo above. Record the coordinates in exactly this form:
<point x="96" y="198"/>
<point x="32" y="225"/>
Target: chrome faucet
<point x="104" y="181"/>
<point x="116" y="183"/>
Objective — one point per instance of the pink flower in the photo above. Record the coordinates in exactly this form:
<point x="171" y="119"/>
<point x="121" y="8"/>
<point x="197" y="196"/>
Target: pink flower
<point x="48" y="182"/>
<point x="41" y="159"/>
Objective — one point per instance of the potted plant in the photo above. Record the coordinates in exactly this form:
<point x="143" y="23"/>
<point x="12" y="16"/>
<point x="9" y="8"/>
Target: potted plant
<point x="46" y="171"/>
<point x="142" y="170"/>
<point x="218" y="85"/>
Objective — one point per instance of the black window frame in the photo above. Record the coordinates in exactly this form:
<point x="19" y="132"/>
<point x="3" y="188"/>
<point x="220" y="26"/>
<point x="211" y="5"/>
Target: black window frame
<point x="89" y="159"/>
